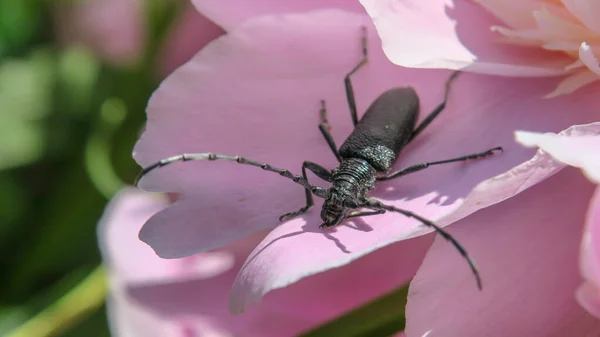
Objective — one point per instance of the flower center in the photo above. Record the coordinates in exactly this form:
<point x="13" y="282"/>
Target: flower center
<point x="567" y="26"/>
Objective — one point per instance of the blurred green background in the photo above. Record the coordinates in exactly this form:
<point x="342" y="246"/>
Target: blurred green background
<point x="68" y="122"/>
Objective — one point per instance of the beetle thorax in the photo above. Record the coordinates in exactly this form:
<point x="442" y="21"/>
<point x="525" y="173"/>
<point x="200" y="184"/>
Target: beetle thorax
<point x="350" y="184"/>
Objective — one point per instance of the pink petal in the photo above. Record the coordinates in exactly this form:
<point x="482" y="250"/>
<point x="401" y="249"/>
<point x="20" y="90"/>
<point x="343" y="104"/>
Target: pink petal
<point x="514" y="13"/>
<point x="133" y="260"/>
<point x="190" y="33"/>
<point x="518" y="179"/>
<point x="230" y="13"/>
<point x="588" y="294"/>
<point x="168" y="302"/>
<point x="560" y="25"/>
<point x="271" y="114"/>
<point x="357" y="282"/>
<point x="568" y="46"/>
<point x="586" y="54"/>
<point x="526" y="249"/>
<point x="577" y="146"/>
<point x="573" y="82"/>
<point x="586" y="11"/>
<point x="128" y="319"/>
<point x="260" y="273"/>
<point x="291" y="310"/>
<point x="454" y="35"/>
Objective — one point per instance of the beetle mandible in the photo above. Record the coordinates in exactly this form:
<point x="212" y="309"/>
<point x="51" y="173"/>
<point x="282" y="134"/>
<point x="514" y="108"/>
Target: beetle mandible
<point x="366" y="156"/>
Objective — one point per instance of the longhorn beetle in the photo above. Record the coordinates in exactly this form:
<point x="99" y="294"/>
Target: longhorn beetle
<point x="366" y="156"/>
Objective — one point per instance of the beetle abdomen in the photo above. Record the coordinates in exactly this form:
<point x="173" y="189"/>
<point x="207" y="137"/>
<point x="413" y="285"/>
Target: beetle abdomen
<point x="384" y="129"/>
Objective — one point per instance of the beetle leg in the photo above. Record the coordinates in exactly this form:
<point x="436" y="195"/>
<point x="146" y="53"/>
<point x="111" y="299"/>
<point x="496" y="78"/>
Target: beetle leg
<point x="348" y="83"/>
<point x="438" y="109"/>
<point x="365" y="213"/>
<point x="422" y="166"/>
<point x="324" y="127"/>
<point x="322" y="173"/>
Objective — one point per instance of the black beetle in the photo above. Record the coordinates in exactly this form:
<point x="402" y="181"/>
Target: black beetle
<point x="365" y="157"/>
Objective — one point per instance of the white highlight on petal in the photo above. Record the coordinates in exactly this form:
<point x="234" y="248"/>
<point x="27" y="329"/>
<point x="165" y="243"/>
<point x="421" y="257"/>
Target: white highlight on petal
<point x="586" y="55"/>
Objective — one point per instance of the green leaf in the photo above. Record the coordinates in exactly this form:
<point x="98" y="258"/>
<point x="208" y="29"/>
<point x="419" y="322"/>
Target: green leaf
<point x="25" y="100"/>
<point x="380" y="318"/>
<point x="19" y="22"/>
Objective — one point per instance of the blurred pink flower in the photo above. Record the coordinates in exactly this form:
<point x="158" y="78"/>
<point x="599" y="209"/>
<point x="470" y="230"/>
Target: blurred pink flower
<point x="116" y="31"/>
<point x="500" y="37"/>
<point x="255" y="92"/>
<point x="152" y="297"/>
<point x="190" y="33"/>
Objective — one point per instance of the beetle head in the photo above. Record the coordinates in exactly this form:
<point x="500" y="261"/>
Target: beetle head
<point x="337" y="207"/>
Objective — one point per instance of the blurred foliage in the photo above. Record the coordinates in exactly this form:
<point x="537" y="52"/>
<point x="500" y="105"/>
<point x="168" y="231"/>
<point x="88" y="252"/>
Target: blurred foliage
<point x="68" y="122"/>
<point x="21" y="25"/>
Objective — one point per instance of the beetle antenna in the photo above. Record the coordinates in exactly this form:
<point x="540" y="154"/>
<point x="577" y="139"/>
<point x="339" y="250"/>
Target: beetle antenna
<point x="378" y="205"/>
<point x="318" y="191"/>
<point x="448" y="84"/>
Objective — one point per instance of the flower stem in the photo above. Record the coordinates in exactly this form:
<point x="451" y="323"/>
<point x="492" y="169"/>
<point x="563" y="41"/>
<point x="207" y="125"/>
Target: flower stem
<point x="97" y="151"/>
<point x="74" y="306"/>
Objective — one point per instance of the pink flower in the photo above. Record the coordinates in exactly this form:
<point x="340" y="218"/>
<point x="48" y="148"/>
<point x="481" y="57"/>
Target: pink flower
<point x="256" y="91"/>
<point x="152" y="297"/>
<point x="514" y="37"/>
<point x="114" y="29"/>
